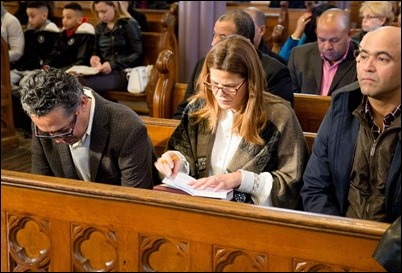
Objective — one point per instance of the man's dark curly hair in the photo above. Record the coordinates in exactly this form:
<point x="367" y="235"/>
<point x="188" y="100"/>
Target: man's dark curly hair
<point x="45" y="90"/>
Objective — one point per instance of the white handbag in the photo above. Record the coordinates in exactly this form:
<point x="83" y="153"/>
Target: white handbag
<point x="138" y="78"/>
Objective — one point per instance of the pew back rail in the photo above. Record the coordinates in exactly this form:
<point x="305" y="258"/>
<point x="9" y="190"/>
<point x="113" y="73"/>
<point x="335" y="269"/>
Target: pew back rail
<point x="57" y="224"/>
<point x="160" y="130"/>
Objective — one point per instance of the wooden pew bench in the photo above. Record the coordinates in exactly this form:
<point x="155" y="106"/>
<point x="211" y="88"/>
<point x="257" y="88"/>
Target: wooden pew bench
<point x="153" y="16"/>
<point x="62" y="225"/>
<point x="310" y="110"/>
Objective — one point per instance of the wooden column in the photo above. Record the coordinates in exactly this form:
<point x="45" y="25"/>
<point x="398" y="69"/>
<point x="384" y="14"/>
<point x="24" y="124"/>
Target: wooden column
<point x="8" y="136"/>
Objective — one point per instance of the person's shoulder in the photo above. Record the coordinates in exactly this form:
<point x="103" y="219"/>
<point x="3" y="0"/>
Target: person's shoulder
<point x="279" y="110"/>
<point x="9" y="18"/>
<point x="352" y="87"/>
<point x="127" y="20"/>
<point x="304" y="52"/>
<point x="276" y="103"/>
<point x="85" y="28"/>
<point x="51" y="27"/>
<point x="268" y="60"/>
<point x="307" y="47"/>
<point x="114" y="109"/>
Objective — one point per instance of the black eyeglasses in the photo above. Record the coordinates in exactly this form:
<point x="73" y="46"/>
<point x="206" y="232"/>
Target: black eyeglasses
<point x="69" y="133"/>
<point x="225" y="89"/>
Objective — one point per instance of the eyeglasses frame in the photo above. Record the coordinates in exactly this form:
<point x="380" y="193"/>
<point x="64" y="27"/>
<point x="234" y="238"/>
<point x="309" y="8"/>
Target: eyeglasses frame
<point x="62" y="135"/>
<point x="210" y="86"/>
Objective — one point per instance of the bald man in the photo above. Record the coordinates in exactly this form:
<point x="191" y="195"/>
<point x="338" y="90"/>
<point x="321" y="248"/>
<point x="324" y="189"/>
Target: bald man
<point x="355" y="166"/>
<point x="258" y="17"/>
<point x="328" y="64"/>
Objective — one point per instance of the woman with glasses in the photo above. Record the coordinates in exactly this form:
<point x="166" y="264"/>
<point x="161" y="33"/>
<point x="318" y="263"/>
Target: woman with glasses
<point x="80" y="135"/>
<point x="233" y="135"/>
<point x="374" y="14"/>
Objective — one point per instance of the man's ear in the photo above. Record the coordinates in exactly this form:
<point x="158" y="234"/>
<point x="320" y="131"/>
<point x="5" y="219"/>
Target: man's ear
<point x="262" y="29"/>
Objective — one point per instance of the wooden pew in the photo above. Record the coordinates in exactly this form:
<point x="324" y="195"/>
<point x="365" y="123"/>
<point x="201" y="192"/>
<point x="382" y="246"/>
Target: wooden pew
<point x="153" y="16"/>
<point x="57" y="224"/>
<point x="160" y="130"/>
<point x="8" y="135"/>
<point x="310" y="110"/>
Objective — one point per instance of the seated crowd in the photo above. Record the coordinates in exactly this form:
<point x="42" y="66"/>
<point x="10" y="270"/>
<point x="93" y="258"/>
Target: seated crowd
<point x="237" y="128"/>
<point x="232" y="134"/>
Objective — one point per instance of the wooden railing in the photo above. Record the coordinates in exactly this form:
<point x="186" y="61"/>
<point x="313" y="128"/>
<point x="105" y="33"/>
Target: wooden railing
<point x="62" y="225"/>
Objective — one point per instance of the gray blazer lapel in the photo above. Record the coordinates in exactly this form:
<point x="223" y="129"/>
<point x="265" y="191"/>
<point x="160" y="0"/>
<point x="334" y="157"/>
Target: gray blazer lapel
<point x="346" y="69"/>
<point x="316" y="66"/>
<point x="99" y="136"/>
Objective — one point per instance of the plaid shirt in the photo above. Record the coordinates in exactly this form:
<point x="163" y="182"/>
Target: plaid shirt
<point x="388" y="119"/>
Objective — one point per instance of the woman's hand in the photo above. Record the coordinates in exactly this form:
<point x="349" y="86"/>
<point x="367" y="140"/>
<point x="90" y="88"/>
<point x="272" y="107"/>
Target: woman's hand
<point x="303" y="20"/>
<point x="95" y="61"/>
<point x="105" y="68"/>
<point x="218" y="182"/>
<point x="169" y="164"/>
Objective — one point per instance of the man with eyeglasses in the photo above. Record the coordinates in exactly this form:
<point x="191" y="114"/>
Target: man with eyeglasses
<point x="355" y="166"/>
<point x="328" y="64"/>
<point x="240" y="22"/>
<point x="80" y="135"/>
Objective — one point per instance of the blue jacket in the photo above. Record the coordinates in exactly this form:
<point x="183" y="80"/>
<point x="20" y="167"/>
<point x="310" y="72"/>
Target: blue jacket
<point x="327" y="175"/>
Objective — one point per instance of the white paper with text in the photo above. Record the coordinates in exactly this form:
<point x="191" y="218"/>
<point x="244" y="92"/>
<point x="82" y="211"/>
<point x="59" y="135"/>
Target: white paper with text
<point x="181" y="182"/>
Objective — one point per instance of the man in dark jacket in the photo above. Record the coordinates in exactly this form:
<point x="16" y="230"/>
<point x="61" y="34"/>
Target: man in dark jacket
<point x="355" y="166"/>
<point x="239" y="22"/>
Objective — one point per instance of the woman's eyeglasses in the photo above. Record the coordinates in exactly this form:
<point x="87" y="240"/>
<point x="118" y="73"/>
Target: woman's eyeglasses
<point x="370" y="17"/>
<point x="69" y="133"/>
<point x="225" y="89"/>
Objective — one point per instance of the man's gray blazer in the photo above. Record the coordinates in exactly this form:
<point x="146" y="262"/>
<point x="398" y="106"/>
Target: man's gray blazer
<point x="121" y="152"/>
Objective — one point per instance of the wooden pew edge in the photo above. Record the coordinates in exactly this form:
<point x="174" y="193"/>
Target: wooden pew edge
<point x="283" y="217"/>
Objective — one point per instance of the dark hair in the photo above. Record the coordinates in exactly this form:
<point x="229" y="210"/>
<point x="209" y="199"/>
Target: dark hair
<point x="316" y="11"/>
<point x="44" y="90"/>
<point x="243" y="22"/>
<point x="37" y="4"/>
<point x="73" y="6"/>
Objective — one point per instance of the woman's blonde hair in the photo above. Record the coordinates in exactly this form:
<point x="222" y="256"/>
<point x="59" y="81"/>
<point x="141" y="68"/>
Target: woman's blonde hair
<point x="379" y="8"/>
<point x="120" y="11"/>
<point x="235" y="54"/>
